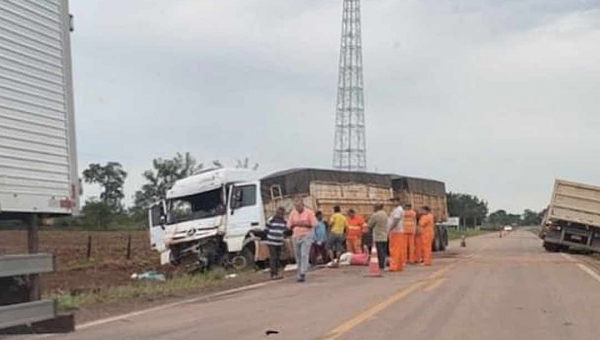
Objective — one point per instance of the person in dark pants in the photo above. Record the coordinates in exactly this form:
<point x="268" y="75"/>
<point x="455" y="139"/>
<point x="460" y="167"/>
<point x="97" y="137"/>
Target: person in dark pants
<point x="378" y="225"/>
<point x="319" y="246"/>
<point x="276" y="227"/>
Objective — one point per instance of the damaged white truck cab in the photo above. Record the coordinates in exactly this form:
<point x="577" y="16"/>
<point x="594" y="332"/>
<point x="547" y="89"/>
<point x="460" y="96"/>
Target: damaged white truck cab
<point x="209" y="218"/>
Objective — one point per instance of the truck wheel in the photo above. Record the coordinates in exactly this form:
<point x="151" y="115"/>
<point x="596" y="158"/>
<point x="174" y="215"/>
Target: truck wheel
<point x="245" y="259"/>
<point x="550" y="247"/>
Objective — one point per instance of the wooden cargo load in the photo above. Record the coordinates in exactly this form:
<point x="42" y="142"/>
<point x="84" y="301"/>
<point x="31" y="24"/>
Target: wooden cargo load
<point x="576" y="203"/>
<point x="419" y="192"/>
<point x="324" y="189"/>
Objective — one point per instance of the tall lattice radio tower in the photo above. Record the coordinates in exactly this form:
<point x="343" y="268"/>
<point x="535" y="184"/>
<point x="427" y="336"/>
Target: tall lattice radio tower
<point x="350" y="151"/>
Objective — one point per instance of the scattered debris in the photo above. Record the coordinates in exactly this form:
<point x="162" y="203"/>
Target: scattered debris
<point x="151" y="275"/>
<point x="231" y="276"/>
<point x="290" y="267"/>
<point x="270" y="331"/>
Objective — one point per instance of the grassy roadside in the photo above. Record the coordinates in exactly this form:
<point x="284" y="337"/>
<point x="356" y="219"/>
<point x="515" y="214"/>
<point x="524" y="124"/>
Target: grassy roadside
<point x="455" y="235"/>
<point x="150" y="290"/>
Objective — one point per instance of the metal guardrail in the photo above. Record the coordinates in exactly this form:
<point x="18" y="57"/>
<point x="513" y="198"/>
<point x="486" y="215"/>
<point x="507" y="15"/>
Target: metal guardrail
<point x="13" y="265"/>
<point x="28" y="312"/>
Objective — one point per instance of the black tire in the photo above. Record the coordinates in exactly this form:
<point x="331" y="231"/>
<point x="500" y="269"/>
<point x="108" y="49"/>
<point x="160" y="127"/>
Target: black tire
<point x="442" y="242"/>
<point x="551" y="247"/>
<point x="244" y="260"/>
<point x="436" y="242"/>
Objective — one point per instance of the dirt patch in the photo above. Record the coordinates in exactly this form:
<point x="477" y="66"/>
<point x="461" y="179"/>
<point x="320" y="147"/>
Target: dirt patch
<point x="104" y="310"/>
<point x="106" y="267"/>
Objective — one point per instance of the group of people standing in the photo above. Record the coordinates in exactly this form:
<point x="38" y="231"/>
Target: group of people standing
<point x="405" y="235"/>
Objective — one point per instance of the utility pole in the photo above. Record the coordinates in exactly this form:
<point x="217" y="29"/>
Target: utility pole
<point x="350" y="147"/>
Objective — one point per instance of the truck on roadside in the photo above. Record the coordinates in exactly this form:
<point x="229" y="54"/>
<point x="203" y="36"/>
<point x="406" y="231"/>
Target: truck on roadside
<point x="38" y="155"/>
<point x="216" y="216"/>
<point x="573" y="218"/>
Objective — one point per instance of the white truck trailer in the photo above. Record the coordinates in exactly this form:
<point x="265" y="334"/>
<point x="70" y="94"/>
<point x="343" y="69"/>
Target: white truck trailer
<point x="38" y="157"/>
<point x="573" y="218"/>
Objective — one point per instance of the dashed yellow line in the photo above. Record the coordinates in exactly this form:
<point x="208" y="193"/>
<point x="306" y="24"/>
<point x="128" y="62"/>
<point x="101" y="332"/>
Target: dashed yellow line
<point x="434" y="285"/>
<point x="427" y="285"/>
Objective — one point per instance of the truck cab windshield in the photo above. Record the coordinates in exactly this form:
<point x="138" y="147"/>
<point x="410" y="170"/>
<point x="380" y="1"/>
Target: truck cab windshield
<point x="202" y="205"/>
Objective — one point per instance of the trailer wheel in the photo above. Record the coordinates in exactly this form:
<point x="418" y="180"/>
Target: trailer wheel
<point x="442" y="243"/>
<point x="436" y="242"/>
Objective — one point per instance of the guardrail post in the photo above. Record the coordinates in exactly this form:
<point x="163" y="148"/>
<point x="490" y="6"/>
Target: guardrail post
<point x="33" y="247"/>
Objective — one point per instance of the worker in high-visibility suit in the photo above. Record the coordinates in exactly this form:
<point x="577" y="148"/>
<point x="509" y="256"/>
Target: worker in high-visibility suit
<point x="426" y="232"/>
<point x="397" y="239"/>
<point x="409" y="221"/>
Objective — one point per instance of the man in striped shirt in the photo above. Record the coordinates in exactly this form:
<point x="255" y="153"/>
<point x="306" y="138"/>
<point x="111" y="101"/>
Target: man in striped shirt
<point x="276" y="227"/>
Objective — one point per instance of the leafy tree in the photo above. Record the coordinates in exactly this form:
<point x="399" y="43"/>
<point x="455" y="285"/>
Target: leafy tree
<point x="469" y="208"/>
<point x="531" y="217"/>
<point x="501" y="217"/>
<point x="162" y="177"/>
<point x="97" y="214"/>
<point x="111" y="177"/>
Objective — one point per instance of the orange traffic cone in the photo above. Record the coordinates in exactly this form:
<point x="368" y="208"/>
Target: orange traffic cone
<point x="374" y="270"/>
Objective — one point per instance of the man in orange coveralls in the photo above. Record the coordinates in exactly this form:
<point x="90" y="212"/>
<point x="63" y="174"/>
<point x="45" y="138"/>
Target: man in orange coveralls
<point x="410" y="226"/>
<point x="426" y="225"/>
<point x="355" y="223"/>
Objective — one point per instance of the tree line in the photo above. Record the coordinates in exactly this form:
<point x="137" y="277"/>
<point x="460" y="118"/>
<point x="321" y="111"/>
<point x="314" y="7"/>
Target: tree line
<point x="473" y="211"/>
<point x="108" y="209"/>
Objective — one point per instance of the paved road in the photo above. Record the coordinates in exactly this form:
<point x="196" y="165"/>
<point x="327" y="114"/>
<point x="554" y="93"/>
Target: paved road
<point x="496" y="288"/>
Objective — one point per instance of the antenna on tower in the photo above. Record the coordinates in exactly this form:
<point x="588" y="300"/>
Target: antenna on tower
<point x="350" y="151"/>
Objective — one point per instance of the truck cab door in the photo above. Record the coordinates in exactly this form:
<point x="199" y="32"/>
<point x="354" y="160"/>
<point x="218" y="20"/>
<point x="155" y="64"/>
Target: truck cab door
<point x="157" y="220"/>
<point x="244" y="213"/>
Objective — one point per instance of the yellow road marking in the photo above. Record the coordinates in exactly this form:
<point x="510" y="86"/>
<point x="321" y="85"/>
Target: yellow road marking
<point x="372" y="311"/>
<point x="434" y="285"/>
<point x="369" y="313"/>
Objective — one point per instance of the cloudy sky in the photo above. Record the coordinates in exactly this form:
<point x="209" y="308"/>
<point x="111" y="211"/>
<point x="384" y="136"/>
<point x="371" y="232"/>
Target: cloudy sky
<point x="494" y="97"/>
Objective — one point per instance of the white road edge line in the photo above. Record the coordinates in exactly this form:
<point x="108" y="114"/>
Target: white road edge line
<point x="568" y="257"/>
<point x="170" y="305"/>
<point x="583" y="267"/>
<point x="590" y="271"/>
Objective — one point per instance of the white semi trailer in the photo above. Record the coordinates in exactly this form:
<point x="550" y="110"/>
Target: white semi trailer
<point x="38" y="157"/>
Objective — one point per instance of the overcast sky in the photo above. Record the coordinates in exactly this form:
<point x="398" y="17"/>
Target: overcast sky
<point x="494" y="97"/>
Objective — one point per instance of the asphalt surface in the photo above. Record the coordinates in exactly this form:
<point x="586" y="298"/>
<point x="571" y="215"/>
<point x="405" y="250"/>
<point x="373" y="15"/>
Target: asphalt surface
<point x="495" y="288"/>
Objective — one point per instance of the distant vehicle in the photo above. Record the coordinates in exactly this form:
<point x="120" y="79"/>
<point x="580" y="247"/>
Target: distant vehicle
<point x="508" y="228"/>
<point x="573" y="218"/>
<point x="217" y="216"/>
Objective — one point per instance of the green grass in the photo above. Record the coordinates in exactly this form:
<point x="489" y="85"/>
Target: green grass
<point x="148" y="290"/>
<point x="455" y="235"/>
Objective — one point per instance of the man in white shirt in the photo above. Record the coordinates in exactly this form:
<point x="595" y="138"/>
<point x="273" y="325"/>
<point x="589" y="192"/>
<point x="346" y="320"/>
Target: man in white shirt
<point x="397" y="239"/>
